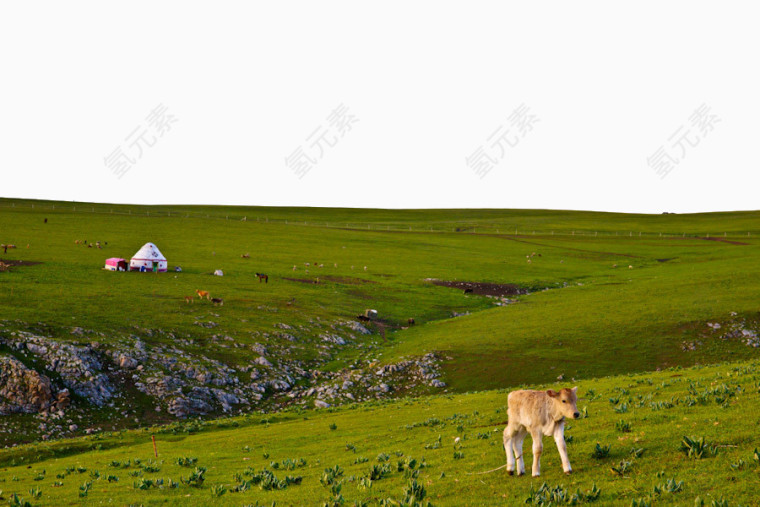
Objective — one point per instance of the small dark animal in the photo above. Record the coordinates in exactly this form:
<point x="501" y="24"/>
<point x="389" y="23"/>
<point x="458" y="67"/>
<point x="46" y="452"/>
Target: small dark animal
<point x="363" y="318"/>
<point x="246" y="256"/>
<point x="218" y="301"/>
<point x="468" y="291"/>
<point x="46" y="220"/>
<point x="264" y="277"/>
<point x="410" y="321"/>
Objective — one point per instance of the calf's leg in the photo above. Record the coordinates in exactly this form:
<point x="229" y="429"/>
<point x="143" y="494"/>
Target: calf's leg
<point x="508" y="436"/>
<point x="559" y="438"/>
<point x="517" y="447"/>
<point x="538" y="448"/>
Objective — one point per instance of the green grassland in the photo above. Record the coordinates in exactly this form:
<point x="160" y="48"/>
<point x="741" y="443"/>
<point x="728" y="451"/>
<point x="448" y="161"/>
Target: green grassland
<point x="588" y="315"/>
<point x="608" y="320"/>
<point x="642" y="418"/>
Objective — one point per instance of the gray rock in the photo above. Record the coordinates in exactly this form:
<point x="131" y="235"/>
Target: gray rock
<point x="358" y="328"/>
<point x="261" y="360"/>
<point x="22" y="390"/>
<point x="333" y="338"/>
<point x="126" y="362"/>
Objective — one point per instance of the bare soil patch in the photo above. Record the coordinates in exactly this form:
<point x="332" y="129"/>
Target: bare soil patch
<point x="302" y="280"/>
<point x="483" y="289"/>
<point x="7" y="265"/>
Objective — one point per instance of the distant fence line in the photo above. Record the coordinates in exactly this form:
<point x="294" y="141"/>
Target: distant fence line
<point x="436" y="228"/>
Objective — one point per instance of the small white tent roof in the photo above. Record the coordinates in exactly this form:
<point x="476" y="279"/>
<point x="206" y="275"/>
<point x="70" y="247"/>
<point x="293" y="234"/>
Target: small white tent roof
<point x="149" y="252"/>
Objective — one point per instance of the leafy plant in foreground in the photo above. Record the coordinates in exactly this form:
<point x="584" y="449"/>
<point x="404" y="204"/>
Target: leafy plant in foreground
<point x="622" y="468"/>
<point x="218" y="490"/>
<point x="546" y="495"/>
<point x="186" y="461"/>
<point x="331" y="475"/>
<point x="697" y="448"/>
<point x="600" y="452"/>
<point x="196" y="478"/>
<point x="16" y="501"/>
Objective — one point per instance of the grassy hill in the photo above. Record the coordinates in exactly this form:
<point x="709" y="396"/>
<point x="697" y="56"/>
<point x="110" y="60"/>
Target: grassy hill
<point x="598" y="313"/>
<point x="641" y="419"/>
<point x="600" y="294"/>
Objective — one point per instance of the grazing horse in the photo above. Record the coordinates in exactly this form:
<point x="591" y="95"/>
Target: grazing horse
<point x="203" y="294"/>
<point x="264" y="277"/>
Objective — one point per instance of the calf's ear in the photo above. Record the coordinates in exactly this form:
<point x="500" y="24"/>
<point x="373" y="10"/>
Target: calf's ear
<point x="552" y="393"/>
<point x="574" y="389"/>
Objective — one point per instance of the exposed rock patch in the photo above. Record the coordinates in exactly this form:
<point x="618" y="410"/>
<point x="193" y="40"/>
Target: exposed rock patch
<point x="23" y="390"/>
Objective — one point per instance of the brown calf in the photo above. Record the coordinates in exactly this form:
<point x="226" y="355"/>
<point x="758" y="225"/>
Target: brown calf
<point x="538" y="413"/>
<point x="203" y="294"/>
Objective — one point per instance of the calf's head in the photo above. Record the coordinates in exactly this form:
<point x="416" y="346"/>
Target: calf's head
<point x="565" y="402"/>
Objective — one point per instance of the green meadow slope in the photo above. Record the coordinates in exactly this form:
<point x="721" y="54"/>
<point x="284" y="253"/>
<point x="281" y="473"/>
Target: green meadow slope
<point x="605" y="300"/>
<point x="364" y="454"/>
<point x="594" y="319"/>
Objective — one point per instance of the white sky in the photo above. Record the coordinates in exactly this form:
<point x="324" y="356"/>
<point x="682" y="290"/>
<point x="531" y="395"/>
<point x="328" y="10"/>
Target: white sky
<point x="429" y="82"/>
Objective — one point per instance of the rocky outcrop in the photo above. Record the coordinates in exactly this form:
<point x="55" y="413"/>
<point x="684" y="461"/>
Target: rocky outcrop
<point x="23" y="390"/>
<point x="79" y="367"/>
<point x="739" y="328"/>
<point x="178" y="379"/>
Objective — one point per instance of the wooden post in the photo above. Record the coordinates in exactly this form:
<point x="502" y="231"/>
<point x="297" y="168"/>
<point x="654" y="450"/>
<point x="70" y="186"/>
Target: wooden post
<point x="155" y="449"/>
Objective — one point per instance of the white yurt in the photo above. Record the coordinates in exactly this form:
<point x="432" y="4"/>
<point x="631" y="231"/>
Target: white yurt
<point x="148" y="258"/>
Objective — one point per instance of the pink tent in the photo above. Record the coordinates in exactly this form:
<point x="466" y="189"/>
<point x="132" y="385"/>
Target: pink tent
<point x="116" y="264"/>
